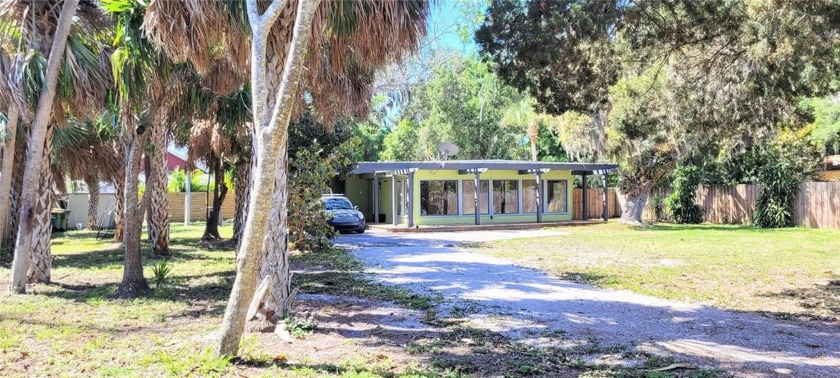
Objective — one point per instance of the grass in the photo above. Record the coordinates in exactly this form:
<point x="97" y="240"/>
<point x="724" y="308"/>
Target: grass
<point x="789" y="272"/>
<point x="73" y="328"/>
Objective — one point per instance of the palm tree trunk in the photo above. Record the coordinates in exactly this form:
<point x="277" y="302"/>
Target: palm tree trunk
<point x="159" y="205"/>
<point x="119" y="190"/>
<point x="272" y="129"/>
<point x="242" y="182"/>
<point x="35" y="150"/>
<point x="534" y="135"/>
<point x="40" y="267"/>
<point x="92" y="182"/>
<point x="133" y="283"/>
<point x="211" y="228"/>
<point x="276" y="302"/>
<point x="6" y="175"/>
<point x="17" y="185"/>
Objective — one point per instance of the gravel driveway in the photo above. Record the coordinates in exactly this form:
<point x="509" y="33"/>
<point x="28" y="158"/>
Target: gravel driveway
<point x="518" y="301"/>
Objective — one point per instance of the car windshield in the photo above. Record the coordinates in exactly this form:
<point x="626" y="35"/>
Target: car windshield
<point x="337" y="204"/>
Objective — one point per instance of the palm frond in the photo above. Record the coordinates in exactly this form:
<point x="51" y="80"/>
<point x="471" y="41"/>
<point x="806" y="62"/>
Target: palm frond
<point x="352" y="39"/>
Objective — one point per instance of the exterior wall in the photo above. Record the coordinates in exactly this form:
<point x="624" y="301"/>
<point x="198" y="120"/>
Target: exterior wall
<point x="357" y="190"/>
<point x="77" y="203"/>
<point x="424" y="175"/>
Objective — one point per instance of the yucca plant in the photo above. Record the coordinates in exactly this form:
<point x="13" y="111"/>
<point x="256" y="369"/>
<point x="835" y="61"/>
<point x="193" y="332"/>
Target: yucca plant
<point x="162" y="272"/>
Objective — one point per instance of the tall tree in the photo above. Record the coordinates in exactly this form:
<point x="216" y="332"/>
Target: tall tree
<point x="729" y="70"/>
<point x="361" y="36"/>
<point x="158" y="212"/>
<point x="35" y="156"/>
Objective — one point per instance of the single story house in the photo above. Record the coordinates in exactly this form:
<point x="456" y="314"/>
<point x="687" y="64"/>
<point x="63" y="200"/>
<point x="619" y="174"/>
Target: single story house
<point x="414" y="193"/>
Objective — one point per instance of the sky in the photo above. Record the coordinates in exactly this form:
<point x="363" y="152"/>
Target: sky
<point x="448" y="19"/>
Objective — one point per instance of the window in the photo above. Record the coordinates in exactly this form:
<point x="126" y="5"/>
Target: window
<point x="337" y="203"/>
<point x="439" y="197"/>
<point x="468" y="197"/>
<point x="557" y="193"/>
<point x="529" y="196"/>
<point x="505" y="197"/>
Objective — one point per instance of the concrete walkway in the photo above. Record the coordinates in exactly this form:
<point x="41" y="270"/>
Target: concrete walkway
<point x="518" y="301"/>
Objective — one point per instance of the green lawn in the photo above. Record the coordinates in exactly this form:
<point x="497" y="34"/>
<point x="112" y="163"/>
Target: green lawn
<point x="73" y="328"/>
<point x="784" y="271"/>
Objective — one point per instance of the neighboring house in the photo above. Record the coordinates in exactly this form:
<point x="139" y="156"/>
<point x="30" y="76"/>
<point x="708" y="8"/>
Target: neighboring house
<point x="831" y="168"/>
<point x="176" y="158"/>
<point x="443" y="193"/>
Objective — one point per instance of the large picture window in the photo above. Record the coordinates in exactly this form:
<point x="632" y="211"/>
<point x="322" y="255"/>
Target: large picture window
<point x="529" y="196"/>
<point x="439" y="197"/>
<point x="468" y="196"/>
<point x="557" y="193"/>
<point x="505" y="197"/>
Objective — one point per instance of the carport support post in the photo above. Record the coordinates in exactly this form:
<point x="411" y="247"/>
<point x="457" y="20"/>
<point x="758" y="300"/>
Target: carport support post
<point x="410" y="210"/>
<point x="585" y="196"/>
<point x="539" y="197"/>
<point x="375" y="198"/>
<point x="604" y="213"/>
<point x="475" y="198"/>
<point x="394" y="199"/>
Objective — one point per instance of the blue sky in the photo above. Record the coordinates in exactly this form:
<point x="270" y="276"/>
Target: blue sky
<point x="448" y="18"/>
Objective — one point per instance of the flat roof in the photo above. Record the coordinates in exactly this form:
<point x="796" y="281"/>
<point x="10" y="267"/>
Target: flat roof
<point x="455" y="165"/>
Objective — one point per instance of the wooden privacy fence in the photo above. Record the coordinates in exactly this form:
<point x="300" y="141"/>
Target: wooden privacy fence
<point x="596" y="203"/>
<point x="198" y="206"/>
<point x="816" y="206"/>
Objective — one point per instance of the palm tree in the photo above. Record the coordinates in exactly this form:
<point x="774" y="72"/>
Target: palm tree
<point x="84" y="151"/>
<point x="523" y="113"/>
<point x="350" y="40"/>
<point x="10" y="95"/>
<point x="60" y="60"/>
<point x="214" y="131"/>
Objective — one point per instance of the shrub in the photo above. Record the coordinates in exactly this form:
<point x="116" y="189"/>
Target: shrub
<point x="783" y="166"/>
<point x="680" y="204"/>
<point x="162" y="271"/>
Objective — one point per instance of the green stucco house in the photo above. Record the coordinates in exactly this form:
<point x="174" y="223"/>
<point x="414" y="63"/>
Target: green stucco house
<point x="444" y="193"/>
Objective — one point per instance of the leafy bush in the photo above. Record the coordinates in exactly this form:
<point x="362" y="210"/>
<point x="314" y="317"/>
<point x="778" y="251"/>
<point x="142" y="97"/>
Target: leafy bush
<point x="783" y="166"/>
<point x="657" y="203"/>
<point x="317" y="157"/>
<point x="680" y="204"/>
<point x="198" y="181"/>
<point x="178" y="181"/>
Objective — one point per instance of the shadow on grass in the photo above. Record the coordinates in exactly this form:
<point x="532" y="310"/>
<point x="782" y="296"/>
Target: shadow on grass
<point x="821" y="300"/>
<point x="673" y="227"/>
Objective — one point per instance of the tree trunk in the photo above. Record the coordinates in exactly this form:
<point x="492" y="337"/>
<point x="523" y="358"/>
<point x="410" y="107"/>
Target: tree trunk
<point x="634" y="206"/>
<point x="17" y="185"/>
<point x="40" y="266"/>
<point x="158" y="185"/>
<point x="119" y="210"/>
<point x="242" y="186"/>
<point x="275" y="303"/>
<point x="533" y="134"/>
<point x="6" y="175"/>
<point x="211" y="228"/>
<point x="272" y="135"/>
<point x="133" y="283"/>
<point x="92" y="182"/>
<point x="35" y="150"/>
